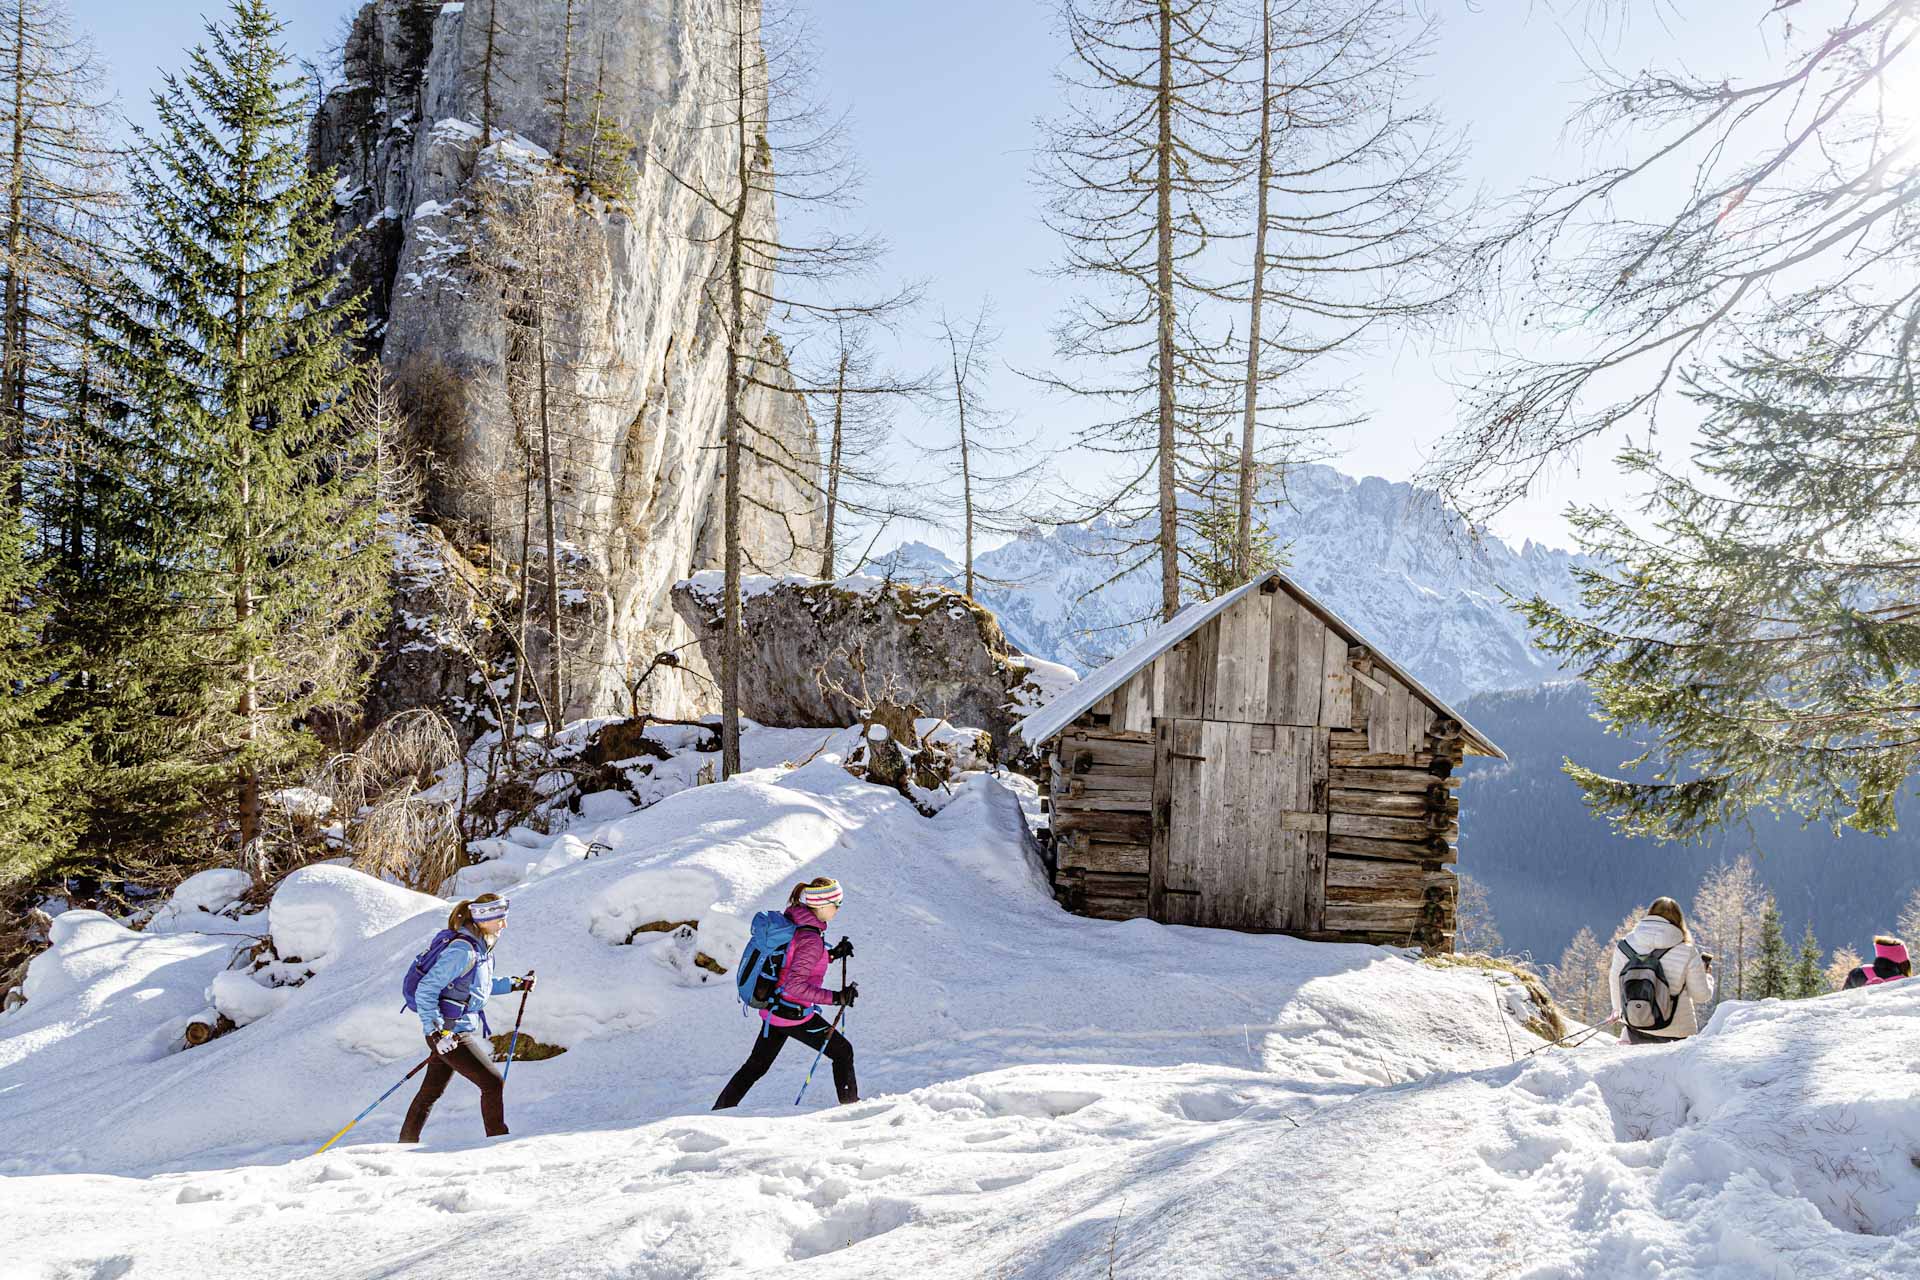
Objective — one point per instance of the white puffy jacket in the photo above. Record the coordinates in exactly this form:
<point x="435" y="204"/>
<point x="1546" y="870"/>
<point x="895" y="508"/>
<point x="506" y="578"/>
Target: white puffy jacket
<point x="1687" y="975"/>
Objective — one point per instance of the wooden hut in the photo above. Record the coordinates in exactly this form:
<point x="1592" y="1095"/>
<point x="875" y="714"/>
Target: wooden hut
<point x="1256" y="764"/>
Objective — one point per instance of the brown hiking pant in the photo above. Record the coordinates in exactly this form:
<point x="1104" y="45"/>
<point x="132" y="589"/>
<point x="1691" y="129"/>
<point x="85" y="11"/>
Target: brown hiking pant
<point x="474" y="1060"/>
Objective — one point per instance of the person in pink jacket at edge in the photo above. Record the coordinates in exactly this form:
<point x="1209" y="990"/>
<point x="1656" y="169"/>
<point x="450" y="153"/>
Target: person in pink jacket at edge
<point x="1890" y="964"/>
<point x="794" y="1014"/>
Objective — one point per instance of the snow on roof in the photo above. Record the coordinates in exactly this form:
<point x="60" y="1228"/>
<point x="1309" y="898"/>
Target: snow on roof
<point x="1077" y="701"/>
<point x="1053" y="718"/>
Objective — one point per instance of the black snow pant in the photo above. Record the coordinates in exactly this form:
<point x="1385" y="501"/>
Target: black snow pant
<point x="812" y="1033"/>
<point x="474" y="1060"/>
<point x="1635" y="1036"/>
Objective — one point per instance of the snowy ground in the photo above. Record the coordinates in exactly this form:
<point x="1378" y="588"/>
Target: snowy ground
<point x="1047" y="1096"/>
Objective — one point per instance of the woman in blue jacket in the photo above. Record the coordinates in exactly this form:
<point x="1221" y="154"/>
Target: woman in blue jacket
<point x="452" y="998"/>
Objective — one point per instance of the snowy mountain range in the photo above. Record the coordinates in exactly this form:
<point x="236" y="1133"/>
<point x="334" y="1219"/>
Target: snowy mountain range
<point x="1389" y="558"/>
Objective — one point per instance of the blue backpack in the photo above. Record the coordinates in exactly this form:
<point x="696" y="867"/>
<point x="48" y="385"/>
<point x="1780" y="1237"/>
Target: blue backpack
<point x="410" y="985"/>
<point x="758" y="974"/>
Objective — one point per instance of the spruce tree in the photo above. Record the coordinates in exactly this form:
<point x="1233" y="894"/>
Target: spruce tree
<point x="1809" y="975"/>
<point x="40" y="750"/>
<point x="237" y="496"/>
<point x="1773" y="974"/>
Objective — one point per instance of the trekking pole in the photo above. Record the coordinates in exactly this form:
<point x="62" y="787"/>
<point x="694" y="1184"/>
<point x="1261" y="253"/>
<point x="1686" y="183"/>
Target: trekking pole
<point x="514" y="1041"/>
<point x="1585" y="1034"/>
<point x="376" y="1102"/>
<point x="831" y="1032"/>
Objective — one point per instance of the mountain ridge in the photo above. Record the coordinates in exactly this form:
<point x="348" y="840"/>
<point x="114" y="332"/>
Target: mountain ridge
<point x="1387" y="556"/>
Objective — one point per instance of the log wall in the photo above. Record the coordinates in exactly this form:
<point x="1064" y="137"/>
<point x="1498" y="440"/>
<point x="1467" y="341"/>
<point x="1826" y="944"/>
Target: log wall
<point x="1102" y="792"/>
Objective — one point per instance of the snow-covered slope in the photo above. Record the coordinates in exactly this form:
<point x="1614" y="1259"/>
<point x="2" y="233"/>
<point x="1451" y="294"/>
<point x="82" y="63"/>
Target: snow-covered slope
<point x="1047" y="1097"/>
<point x="1386" y="557"/>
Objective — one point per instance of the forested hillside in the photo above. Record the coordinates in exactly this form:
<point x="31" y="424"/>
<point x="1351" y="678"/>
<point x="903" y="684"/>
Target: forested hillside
<point x="1550" y="866"/>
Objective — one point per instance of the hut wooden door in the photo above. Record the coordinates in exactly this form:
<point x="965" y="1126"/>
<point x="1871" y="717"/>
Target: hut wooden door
<point x="1240" y="825"/>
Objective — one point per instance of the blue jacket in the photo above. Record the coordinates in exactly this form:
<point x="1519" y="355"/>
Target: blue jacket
<point x="450" y="995"/>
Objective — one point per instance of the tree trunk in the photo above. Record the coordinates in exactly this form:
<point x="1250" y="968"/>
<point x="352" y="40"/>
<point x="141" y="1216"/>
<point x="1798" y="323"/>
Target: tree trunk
<point x="526" y="609"/>
<point x="966" y="464"/>
<point x="248" y="709"/>
<point x="1243" y="529"/>
<point x="1163" y="189"/>
<point x="830" y="553"/>
<point x="566" y="82"/>
<point x="486" y="75"/>
<point x="731" y="648"/>
<point x="13" y="380"/>
<point x="556" y="709"/>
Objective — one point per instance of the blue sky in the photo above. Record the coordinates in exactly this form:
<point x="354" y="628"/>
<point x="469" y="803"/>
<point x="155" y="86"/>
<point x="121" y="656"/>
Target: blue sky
<point x="943" y="99"/>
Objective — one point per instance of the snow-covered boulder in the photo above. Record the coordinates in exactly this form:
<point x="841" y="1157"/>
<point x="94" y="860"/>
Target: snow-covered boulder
<point x="319" y="913"/>
<point x="819" y="653"/>
<point x="202" y="901"/>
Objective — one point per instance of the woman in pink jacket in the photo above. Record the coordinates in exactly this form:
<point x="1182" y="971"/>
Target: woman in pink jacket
<point x="794" y="1014"/>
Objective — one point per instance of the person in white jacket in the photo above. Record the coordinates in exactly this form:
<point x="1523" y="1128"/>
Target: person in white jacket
<point x="1688" y="971"/>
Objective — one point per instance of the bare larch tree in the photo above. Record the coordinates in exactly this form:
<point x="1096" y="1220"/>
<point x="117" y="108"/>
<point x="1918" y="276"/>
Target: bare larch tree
<point x="1135" y="167"/>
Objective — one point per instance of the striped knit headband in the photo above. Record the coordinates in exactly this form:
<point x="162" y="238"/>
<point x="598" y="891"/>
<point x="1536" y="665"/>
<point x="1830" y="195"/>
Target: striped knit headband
<point x="482" y="912"/>
<point x="823" y="895"/>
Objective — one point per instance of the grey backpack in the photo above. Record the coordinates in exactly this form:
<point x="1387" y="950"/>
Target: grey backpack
<point x="1646" y="1001"/>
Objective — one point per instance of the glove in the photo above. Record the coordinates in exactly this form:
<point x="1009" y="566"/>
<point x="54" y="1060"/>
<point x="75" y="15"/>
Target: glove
<point x="521" y="984"/>
<point x="847" y="995"/>
<point x="445" y="1042"/>
<point x="841" y="949"/>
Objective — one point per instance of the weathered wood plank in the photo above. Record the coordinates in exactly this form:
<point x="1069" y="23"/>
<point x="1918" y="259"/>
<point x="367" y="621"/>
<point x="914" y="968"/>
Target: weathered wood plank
<point x="1255" y="636"/>
<point x="1229" y="698"/>
<point x="1123" y="826"/>
<point x="1296" y="820"/>
<point x="1079" y="801"/>
<point x="1413" y="831"/>
<point x="1283" y="666"/>
<point x="1180" y="696"/>
<point x="1265" y="857"/>
<point x="1101" y="884"/>
<point x="1358" y="779"/>
<point x="1436" y="850"/>
<point x="1109" y="778"/>
<point x="1336" y="695"/>
<point x="1234" y="854"/>
<point x="1419" y="716"/>
<point x="1162" y="816"/>
<point x="1205" y="653"/>
<point x="1313" y="911"/>
<point x="1411" y="880"/>
<point x="1309" y="680"/>
<point x="1371" y="917"/>
<point x="1399" y="705"/>
<point x="1101" y="734"/>
<point x="1391" y="804"/>
<point x="1345" y="759"/>
<point x="1113" y="908"/>
<point x="1142" y="702"/>
<point x="1179" y="903"/>
<point x="1119" y="859"/>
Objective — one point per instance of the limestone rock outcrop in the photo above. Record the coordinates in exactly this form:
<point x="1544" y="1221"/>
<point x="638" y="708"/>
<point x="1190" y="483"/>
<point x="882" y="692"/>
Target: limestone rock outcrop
<point x="828" y="653"/>
<point x="638" y="473"/>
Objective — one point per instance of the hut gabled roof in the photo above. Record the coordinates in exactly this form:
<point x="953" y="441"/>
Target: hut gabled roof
<point x="1053" y="718"/>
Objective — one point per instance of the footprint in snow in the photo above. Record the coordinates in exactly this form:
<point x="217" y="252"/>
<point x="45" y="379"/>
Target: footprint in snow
<point x="1003" y="1182"/>
<point x="845" y="1227"/>
<point x="693" y="1141"/>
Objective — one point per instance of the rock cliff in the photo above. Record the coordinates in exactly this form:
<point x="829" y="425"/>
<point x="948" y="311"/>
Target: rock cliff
<point x="637" y="466"/>
<point x="827" y="653"/>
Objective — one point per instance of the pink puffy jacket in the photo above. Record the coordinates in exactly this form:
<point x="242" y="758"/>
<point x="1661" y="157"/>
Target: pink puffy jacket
<point x="805" y="968"/>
